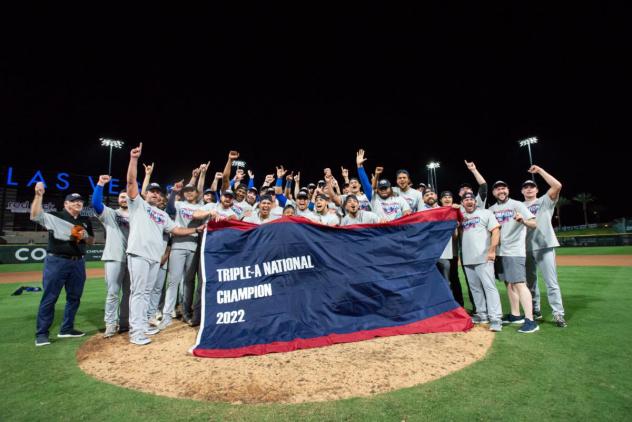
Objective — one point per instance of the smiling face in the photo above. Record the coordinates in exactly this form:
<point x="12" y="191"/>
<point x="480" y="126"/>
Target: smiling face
<point x="251" y="197"/>
<point x="321" y="205"/>
<point x="430" y="198"/>
<point x="447" y="200"/>
<point x="384" y="192"/>
<point x="351" y="206"/>
<point x="190" y="195"/>
<point x="227" y="201"/>
<point x="240" y="193"/>
<point x="530" y="192"/>
<point x="403" y="180"/>
<point x="501" y="193"/>
<point x="74" y="207"/>
<point x="153" y="197"/>
<point x="354" y="186"/>
<point x="469" y="204"/>
<point x="264" y="208"/>
<point x="122" y="200"/>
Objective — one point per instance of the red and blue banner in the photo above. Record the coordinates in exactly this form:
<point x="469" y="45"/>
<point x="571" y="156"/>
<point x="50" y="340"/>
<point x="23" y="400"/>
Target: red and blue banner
<point x="295" y="284"/>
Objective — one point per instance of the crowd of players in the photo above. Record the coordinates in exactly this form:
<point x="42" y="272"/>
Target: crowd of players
<point x="152" y="250"/>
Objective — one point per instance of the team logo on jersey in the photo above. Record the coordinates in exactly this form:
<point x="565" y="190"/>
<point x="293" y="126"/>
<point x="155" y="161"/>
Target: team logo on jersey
<point x="504" y="216"/>
<point x="237" y="209"/>
<point x="122" y="221"/>
<point x="392" y="208"/>
<point x="534" y="208"/>
<point x="156" y="217"/>
<point x="186" y="213"/>
<point x="470" y="223"/>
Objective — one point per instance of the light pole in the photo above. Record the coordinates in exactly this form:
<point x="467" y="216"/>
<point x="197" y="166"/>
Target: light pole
<point x="528" y="143"/>
<point x="112" y="143"/>
<point x="432" y="169"/>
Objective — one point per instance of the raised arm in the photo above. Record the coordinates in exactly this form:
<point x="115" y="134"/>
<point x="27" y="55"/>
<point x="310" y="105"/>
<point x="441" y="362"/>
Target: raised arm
<point x="149" y="169"/>
<point x="97" y="195"/>
<point x="132" y="183"/>
<point x="555" y="185"/>
<point x="364" y="179"/>
<point x="202" y="178"/>
<point x="251" y="179"/>
<point x="36" y="205"/>
<point x="171" y="200"/>
<point x="232" y="156"/>
<point x="472" y="167"/>
<point x="297" y="184"/>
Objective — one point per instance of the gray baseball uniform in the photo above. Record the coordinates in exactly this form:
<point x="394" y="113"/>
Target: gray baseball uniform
<point x="412" y="196"/>
<point x="390" y="208"/>
<point x="541" y="244"/>
<point x="362" y="217"/>
<point x="476" y="239"/>
<point x="144" y="251"/>
<point x="116" y="223"/>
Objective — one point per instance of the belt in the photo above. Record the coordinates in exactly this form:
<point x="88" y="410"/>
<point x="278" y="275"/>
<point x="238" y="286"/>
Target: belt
<point x="71" y="257"/>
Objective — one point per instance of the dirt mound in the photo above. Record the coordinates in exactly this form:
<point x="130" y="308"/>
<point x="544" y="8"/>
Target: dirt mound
<point x="360" y="369"/>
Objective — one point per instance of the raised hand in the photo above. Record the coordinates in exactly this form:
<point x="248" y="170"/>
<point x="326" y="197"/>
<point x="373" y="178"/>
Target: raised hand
<point x="251" y="175"/>
<point x="135" y="152"/>
<point x="327" y="172"/>
<point x="470" y="165"/>
<point x="149" y="168"/>
<point x="290" y="176"/>
<point x="378" y="171"/>
<point x="103" y="180"/>
<point x="534" y="169"/>
<point x="204" y="167"/>
<point x="360" y="157"/>
<point x="177" y="187"/>
<point x="195" y="173"/>
<point x="297" y="178"/>
<point x="280" y="172"/>
<point x="269" y="179"/>
<point x="233" y="155"/>
<point x="219" y="175"/>
<point x="39" y="188"/>
<point x="345" y="172"/>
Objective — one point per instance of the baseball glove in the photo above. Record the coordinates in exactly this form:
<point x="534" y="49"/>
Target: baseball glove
<point x="76" y="233"/>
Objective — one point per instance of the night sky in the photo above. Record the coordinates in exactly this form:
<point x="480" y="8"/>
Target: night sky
<point x="307" y="87"/>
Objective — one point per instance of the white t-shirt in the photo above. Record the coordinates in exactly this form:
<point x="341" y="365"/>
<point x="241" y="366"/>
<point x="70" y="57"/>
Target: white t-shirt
<point x="512" y="233"/>
<point x="146" y="227"/>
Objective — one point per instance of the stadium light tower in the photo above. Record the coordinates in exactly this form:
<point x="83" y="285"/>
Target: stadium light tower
<point x="432" y="169"/>
<point x="528" y="143"/>
<point x="112" y="143"/>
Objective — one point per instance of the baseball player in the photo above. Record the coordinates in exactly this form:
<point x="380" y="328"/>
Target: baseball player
<point x="145" y="248"/>
<point x="480" y="237"/>
<point x="355" y="215"/>
<point x="262" y="215"/>
<point x="405" y="189"/>
<point x="385" y="204"/>
<point x="514" y="218"/>
<point x="541" y="244"/>
<point x="116" y="223"/>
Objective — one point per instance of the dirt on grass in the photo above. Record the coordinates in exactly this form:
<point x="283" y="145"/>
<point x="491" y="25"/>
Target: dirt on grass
<point x="36" y="276"/>
<point x="359" y="369"/>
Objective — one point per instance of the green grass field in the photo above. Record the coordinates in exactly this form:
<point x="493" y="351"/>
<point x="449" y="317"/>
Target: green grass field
<point x="578" y="373"/>
<point x="586" y="232"/>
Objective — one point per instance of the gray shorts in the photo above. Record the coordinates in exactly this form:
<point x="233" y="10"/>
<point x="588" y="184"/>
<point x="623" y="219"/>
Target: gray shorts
<point x="511" y="269"/>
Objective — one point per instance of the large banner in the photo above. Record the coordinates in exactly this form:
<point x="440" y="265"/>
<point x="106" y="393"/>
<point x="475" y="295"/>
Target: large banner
<point x="294" y="284"/>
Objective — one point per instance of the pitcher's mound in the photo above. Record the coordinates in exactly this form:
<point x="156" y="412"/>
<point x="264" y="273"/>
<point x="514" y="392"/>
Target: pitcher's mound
<point x="328" y="373"/>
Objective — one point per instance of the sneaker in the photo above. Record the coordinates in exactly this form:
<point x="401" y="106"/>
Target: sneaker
<point x="123" y="330"/>
<point x="560" y="321"/>
<point x="193" y="323"/>
<point x="529" y="326"/>
<point x="513" y="319"/>
<point x="164" y="323"/>
<point x="153" y="321"/>
<point x="42" y="340"/>
<point x="110" y="330"/>
<point x="71" y="333"/>
<point x="537" y="315"/>
<point x="158" y="315"/>
<point x="477" y="319"/>
<point x="173" y="314"/>
<point x="140" y="341"/>
<point x="496" y="326"/>
<point x="152" y="331"/>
